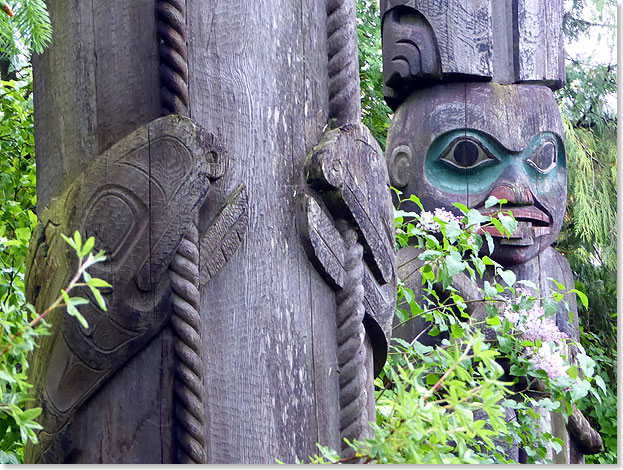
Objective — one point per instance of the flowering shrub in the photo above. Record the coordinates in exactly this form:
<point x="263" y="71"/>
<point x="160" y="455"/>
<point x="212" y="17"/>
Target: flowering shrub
<point x="494" y="353"/>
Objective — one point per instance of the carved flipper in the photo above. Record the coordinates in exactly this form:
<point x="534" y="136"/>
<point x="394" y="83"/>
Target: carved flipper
<point x="138" y="200"/>
<point x="224" y="235"/>
<point x="349" y="175"/>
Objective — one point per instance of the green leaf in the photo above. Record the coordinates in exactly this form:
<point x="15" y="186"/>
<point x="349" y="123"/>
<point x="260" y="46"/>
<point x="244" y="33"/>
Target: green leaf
<point x="579" y="390"/>
<point x="30" y="414"/>
<point x="508" y="222"/>
<point x="97" y="282"/>
<point x="558" y="284"/>
<point x="582" y="296"/>
<point x="517" y="371"/>
<point x="78" y="242"/>
<point x="505" y="344"/>
<point x="492" y="201"/>
<point x="8" y="378"/>
<point x="70" y="242"/>
<point x="432" y="379"/>
<point x="490" y="244"/>
<point x="88" y="246"/>
<point x="102" y="303"/>
<point x="508" y="276"/>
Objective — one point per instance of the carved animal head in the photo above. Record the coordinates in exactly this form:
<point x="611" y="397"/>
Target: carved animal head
<point x="466" y="142"/>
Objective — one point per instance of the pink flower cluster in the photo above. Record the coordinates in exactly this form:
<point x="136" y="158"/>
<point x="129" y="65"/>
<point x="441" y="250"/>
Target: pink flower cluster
<point x="534" y="326"/>
<point x="427" y="223"/>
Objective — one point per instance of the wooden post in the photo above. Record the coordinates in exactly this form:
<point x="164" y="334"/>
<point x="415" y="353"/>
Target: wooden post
<point x="221" y="341"/>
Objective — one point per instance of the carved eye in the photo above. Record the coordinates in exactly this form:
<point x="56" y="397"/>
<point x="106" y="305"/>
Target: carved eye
<point x="466" y="153"/>
<point x="544" y="159"/>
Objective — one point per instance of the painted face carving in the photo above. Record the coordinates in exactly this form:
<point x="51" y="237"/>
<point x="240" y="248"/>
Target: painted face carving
<point x="466" y="142"/>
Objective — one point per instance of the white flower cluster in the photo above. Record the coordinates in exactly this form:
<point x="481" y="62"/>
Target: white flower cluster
<point x="534" y="326"/>
<point x="427" y="223"/>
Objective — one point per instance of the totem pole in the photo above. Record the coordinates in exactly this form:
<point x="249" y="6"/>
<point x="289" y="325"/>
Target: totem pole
<point x="471" y="85"/>
<point x="187" y="138"/>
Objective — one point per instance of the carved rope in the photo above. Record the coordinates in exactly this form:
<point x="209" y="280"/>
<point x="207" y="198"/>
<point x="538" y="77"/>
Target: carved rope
<point x="351" y="349"/>
<point x="184" y="268"/>
<point x="173" y="56"/>
<point x="343" y="67"/>
<point x="588" y="439"/>
<point x="188" y="388"/>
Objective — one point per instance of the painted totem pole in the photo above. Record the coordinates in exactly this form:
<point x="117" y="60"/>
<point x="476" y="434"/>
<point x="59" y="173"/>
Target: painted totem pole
<point x="471" y="85"/>
<point x="189" y="139"/>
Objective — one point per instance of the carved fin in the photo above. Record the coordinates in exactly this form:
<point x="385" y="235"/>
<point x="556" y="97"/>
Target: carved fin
<point x="224" y="235"/>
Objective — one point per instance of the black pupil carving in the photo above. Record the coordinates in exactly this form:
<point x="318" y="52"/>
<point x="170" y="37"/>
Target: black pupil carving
<point x="546" y="157"/>
<point x="466" y="153"/>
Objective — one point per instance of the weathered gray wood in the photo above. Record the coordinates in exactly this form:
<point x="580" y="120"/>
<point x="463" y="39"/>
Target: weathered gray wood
<point x="539" y="48"/>
<point x="72" y="80"/>
<point x="348" y="172"/>
<point x="256" y="78"/>
<point x="462" y="31"/>
<point x="426" y="42"/>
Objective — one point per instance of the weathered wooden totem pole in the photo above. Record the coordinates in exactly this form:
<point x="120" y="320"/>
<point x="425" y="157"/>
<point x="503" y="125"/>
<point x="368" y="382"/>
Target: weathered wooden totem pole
<point x="250" y="252"/>
<point x="471" y="85"/>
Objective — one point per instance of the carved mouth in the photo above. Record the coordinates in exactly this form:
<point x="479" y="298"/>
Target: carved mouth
<point x="531" y="223"/>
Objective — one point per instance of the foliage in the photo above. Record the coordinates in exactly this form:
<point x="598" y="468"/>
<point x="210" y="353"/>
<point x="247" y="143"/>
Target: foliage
<point x="20" y="326"/>
<point x="25" y="29"/>
<point x="376" y="115"/>
<point x="17" y="186"/>
<point x="588" y="239"/>
<point x="446" y="401"/>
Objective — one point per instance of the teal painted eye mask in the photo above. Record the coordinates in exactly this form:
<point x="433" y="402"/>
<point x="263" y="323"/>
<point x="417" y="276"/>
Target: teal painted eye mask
<point x="467" y="161"/>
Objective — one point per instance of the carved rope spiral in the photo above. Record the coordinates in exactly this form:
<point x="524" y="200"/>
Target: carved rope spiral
<point x="188" y="385"/>
<point x="184" y="268"/>
<point x="351" y="349"/>
<point x="343" y="67"/>
<point x="173" y="56"/>
<point x="588" y="439"/>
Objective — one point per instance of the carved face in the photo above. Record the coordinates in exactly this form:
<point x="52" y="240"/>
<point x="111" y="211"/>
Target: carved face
<point x="466" y="142"/>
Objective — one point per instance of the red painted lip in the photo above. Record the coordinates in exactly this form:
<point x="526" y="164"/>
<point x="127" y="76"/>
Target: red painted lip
<point x="531" y="223"/>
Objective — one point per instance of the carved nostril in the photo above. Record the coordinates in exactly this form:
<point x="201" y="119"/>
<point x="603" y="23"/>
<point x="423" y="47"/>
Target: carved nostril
<point x="504" y="191"/>
<point x="517" y="194"/>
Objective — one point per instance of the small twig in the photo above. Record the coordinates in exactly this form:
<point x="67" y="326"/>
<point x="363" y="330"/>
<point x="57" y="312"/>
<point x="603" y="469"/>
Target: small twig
<point x="451" y="369"/>
<point x="57" y="303"/>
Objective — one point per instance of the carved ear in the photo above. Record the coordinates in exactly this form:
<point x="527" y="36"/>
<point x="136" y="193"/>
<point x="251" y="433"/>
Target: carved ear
<point x="400" y="166"/>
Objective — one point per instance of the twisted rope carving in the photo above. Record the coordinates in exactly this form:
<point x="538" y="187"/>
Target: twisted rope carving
<point x="344" y="92"/>
<point x="587" y="438"/>
<point x="351" y="350"/>
<point x="173" y="54"/>
<point x="184" y="268"/>
<point x="188" y="385"/>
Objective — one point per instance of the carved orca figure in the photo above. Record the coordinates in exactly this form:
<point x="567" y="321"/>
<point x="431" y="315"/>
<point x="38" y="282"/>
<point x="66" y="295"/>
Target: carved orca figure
<point x="137" y="199"/>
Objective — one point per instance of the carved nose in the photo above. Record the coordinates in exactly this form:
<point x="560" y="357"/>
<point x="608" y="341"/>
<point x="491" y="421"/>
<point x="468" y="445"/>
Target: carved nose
<point x="515" y="194"/>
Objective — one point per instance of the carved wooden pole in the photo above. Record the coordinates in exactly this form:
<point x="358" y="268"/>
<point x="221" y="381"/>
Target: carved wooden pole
<point x="220" y="343"/>
<point x="456" y="139"/>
